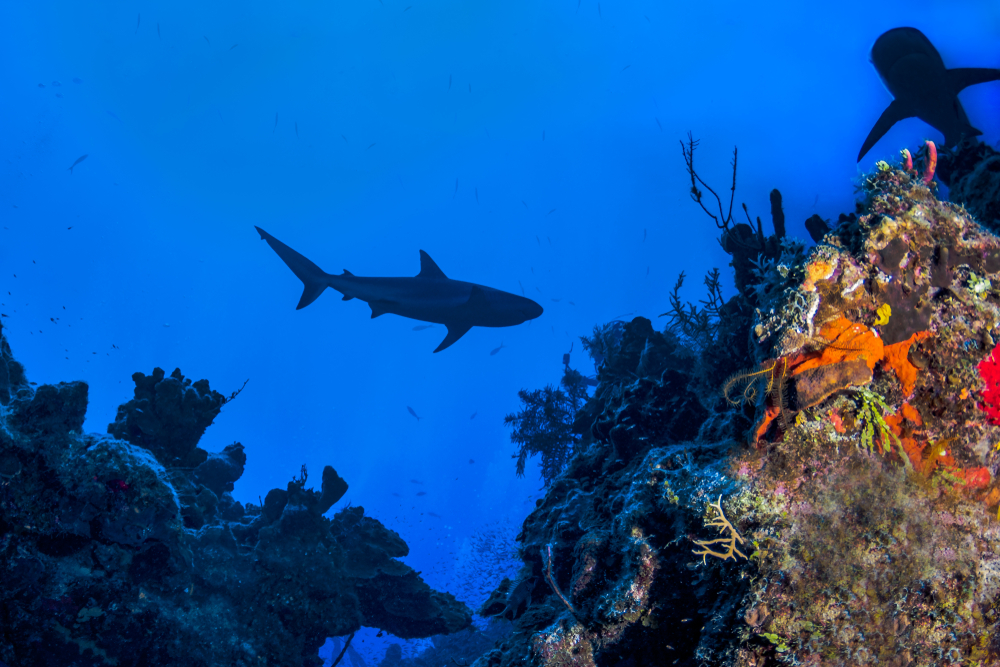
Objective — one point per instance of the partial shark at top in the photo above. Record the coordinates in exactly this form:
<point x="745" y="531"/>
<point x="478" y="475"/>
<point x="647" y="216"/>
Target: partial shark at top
<point x="430" y="296"/>
<point x="914" y="73"/>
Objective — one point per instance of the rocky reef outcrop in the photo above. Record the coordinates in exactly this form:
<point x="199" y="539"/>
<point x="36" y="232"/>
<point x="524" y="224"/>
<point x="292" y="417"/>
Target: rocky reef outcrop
<point x="129" y="549"/>
<point x="834" y="502"/>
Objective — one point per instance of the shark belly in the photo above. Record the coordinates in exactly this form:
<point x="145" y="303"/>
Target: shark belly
<point x="437" y="301"/>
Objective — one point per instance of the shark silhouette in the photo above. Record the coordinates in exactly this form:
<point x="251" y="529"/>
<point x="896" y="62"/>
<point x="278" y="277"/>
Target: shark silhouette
<point x="430" y="296"/>
<point x="921" y="87"/>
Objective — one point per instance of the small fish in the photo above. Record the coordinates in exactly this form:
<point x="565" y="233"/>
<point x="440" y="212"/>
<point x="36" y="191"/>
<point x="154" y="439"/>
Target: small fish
<point x="473" y="417"/>
<point x="599" y="10"/>
<point x="658" y="123"/>
<point x="539" y="290"/>
<point x="551" y="212"/>
<point x="58" y="94"/>
<point x="138" y="20"/>
<point x="415" y="481"/>
<point x="477" y="194"/>
<point x="158" y="30"/>
<point x="578" y="6"/>
<point x="525" y="203"/>
<point x="421" y="493"/>
<point x="275" y="122"/>
<point x="421" y="327"/>
<point x="413" y="413"/>
<point x="646" y="17"/>
<point x="449" y="82"/>
<point x="397" y="495"/>
<point x="78" y="161"/>
<point x="626" y="67"/>
<point x="571" y="303"/>
<point x="372" y="146"/>
<point x="206" y="39"/>
<point x="557" y="300"/>
<point x="436" y="516"/>
<point x="521" y="286"/>
<point x="233" y="47"/>
<point x="344" y="138"/>
<point x="56" y="84"/>
<point x="112" y="114"/>
<point x="497" y="349"/>
<point x="41" y="85"/>
<point x="539" y="242"/>
<point x="77" y="81"/>
<point x="407" y="9"/>
<point x="296" y="129"/>
<point x="456" y="189"/>
<point x="549" y="239"/>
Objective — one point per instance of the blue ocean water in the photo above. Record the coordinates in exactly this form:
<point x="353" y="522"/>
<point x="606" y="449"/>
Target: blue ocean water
<point x="528" y="146"/>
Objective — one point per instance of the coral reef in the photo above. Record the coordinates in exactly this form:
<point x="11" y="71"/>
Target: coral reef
<point x="129" y="549"/>
<point x="839" y="509"/>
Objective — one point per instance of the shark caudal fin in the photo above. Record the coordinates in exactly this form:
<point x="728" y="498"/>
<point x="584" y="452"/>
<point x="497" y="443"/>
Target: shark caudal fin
<point x="313" y="277"/>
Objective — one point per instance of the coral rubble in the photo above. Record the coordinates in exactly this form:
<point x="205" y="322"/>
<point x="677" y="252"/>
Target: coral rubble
<point x="129" y="549"/>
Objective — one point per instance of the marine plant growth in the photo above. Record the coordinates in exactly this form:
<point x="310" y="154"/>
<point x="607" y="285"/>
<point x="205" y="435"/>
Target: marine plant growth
<point x="544" y="425"/>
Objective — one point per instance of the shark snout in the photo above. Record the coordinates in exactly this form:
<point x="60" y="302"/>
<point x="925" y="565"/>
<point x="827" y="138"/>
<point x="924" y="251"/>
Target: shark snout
<point x="531" y="310"/>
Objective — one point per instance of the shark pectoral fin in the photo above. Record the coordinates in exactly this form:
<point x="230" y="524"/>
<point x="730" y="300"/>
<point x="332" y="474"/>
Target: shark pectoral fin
<point x="428" y="269"/>
<point x="961" y="78"/>
<point x="455" y="331"/>
<point x="893" y="113"/>
<point x="347" y="298"/>
<point x="378" y="307"/>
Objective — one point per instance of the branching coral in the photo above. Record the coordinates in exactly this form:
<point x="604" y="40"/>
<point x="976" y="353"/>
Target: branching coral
<point x="694" y="325"/>
<point x="731" y="538"/>
<point x="871" y="412"/>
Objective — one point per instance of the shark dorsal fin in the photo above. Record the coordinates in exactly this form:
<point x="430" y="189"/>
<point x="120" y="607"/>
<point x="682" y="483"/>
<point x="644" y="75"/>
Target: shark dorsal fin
<point x="428" y="269"/>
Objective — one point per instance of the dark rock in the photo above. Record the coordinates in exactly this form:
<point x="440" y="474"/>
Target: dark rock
<point x="168" y="416"/>
<point x="220" y="470"/>
<point x="53" y="409"/>
<point x="109" y="557"/>
<point x="815" y="385"/>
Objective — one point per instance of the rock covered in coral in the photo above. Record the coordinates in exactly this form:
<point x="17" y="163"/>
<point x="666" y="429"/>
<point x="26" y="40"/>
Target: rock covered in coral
<point x="135" y="553"/>
<point x="167" y="417"/>
<point x="874" y="509"/>
<point x="854" y="525"/>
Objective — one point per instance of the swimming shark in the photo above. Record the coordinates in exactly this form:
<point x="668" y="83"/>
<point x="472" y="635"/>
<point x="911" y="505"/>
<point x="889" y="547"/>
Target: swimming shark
<point x="430" y="296"/>
<point x="921" y="87"/>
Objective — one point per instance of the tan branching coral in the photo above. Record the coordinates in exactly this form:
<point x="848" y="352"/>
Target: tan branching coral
<point x="722" y="523"/>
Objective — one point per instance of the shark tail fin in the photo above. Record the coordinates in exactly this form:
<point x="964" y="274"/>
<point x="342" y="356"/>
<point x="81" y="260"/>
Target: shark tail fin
<point x="313" y="277"/>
